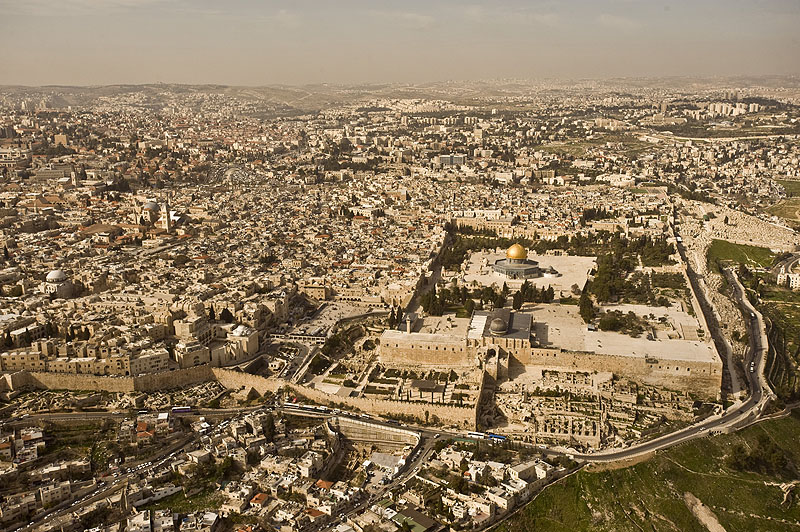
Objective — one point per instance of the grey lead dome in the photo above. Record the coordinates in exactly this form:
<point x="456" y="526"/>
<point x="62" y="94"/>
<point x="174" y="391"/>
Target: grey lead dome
<point x="56" y="276"/>
<point x="498" y="326"/>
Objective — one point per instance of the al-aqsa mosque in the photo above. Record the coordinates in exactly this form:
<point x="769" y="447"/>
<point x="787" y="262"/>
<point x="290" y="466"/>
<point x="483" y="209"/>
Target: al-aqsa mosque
<point x="517" y="265"/>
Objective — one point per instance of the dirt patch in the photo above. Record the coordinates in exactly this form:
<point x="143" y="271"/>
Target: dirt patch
<point x="703" y="513"/>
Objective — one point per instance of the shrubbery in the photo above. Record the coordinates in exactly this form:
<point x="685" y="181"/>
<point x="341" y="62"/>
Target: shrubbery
<point x="766" y="457"/>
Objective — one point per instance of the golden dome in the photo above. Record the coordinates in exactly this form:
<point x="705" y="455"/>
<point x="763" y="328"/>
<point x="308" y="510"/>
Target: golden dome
<point x="516" y="252"/>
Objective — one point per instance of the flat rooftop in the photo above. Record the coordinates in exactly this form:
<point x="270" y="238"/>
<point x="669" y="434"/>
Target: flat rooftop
<point x="561" y="326"/>
<point x="439" y="338"/>
<point x="448" y="325"/>
<point x="518" y="324"/>
<point x="673" y="313"/>
<point x="611" y="343"/>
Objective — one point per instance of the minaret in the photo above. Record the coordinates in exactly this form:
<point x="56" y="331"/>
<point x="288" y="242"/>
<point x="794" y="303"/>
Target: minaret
<point x="167" y="217"/>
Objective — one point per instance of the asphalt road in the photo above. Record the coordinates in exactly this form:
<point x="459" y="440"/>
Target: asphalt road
<point x="787" y="264"/>
<point x="107" y="490"/>
<point x="735" y="417"/>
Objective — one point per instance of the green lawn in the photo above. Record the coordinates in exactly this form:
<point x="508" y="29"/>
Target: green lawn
<point x="753" y="256"/>
<point x="208" y="499"/>
<point x="459" y="311"/>
<point x="650" y="495"/>
<point x="780" y="294"/>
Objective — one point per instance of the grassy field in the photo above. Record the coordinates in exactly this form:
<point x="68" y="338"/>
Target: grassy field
<point x="788" y="209"/>
<point x="76" y="438"/>
<point x="650" y="495"/>
<point x="203" y="501"/>
<point x="780" y="295"/>
<point x="578" y="148"/>
<point x="792" y="187"/>
<point x="752" y="256"/>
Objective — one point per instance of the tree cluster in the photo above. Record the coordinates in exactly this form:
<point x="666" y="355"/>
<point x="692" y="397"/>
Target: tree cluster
<point x="530" y="294"/>
<point x="611" y="281"/>
<point x="436" y="301"/>
<point x="616" y="321"/>
<point x="591" y="214"/>
<point x="395" y="318"/>
<point x="765" y="457"/>
<point x="586" y="306"/>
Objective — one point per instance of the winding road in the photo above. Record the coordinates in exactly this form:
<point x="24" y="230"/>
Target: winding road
<point x="737" y="416"/>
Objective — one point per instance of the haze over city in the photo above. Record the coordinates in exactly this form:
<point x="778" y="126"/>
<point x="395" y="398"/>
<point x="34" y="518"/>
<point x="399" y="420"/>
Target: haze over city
<point x="87" y="42"/>
<point x="339" y="266"/>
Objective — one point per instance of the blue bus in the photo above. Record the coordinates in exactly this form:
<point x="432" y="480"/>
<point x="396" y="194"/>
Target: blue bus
<point x="181" y="409"/>
<point x="496" y="437"/>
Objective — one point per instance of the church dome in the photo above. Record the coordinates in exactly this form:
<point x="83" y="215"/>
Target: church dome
<point x="498" y="326"/>
<point x="516" y="252"/>
<point x="150" y="206"/>
<point x="56" y="276"/>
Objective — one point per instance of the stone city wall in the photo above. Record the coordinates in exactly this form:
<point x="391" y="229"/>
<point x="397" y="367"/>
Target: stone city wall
<point x="703" y="379"/>
<point x="462" y="416"/>
<point x="425" y="353"/>
<point x="45" y="380"/>
<point x="153" y="382"/>
<point x="700" y="378"/>
<point x="695" y="303"/>
<point x="15" y="381"/>
<point x="235" y="380"/>
<point x="70" y="381"/>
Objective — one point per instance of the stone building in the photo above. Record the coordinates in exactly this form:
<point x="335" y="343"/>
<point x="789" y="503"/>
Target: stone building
<point x="495" y="340"/>
<point x="57" y="284"/>
<point x="517" y="265"/>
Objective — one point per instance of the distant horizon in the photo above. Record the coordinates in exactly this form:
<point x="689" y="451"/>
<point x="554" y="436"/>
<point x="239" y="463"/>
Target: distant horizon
<point x="350" y="42"/>
<point x="675" y="77"/>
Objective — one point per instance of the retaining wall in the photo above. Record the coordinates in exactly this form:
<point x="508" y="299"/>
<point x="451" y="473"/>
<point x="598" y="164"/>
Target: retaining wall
<point x="46" y="380"/>
<point x="234" y="380"/>
<point x="462" y="416"/>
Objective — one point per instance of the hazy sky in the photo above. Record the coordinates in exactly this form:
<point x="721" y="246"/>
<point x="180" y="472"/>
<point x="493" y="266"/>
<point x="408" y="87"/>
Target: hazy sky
<point x="249" y="42"/>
